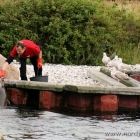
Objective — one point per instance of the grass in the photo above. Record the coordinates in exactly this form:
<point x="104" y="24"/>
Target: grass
<point x="132" y="5"/>
<point x="129" y="55"/>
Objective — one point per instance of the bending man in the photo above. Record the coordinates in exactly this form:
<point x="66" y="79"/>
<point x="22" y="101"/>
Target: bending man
<point x="25" y="49"/>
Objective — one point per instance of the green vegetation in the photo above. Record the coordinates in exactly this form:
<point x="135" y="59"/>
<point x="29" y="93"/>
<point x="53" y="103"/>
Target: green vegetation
<point x="71" y="31"/>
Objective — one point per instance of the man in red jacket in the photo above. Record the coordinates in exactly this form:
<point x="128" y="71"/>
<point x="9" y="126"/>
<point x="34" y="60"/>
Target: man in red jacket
<point x="25" y="49"/>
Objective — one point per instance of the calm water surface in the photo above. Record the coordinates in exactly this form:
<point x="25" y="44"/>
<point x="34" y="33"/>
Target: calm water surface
<point x="31" y="124"/>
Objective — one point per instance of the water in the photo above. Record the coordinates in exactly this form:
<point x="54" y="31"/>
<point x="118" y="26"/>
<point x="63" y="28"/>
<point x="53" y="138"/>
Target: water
<point x="30" y="124"/>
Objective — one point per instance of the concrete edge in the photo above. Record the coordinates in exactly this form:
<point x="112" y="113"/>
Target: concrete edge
<point x="34" y="85"/>
<point x="103" y="90"/>
<point x="103" y="79"/>
<point x="72" y="88"/>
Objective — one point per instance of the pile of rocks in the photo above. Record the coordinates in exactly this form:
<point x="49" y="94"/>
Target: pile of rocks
<point x="64" y="74"/>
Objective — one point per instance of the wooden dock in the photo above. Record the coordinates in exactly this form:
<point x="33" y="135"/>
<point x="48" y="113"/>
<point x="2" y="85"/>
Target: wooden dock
<point x="45" y="95"/>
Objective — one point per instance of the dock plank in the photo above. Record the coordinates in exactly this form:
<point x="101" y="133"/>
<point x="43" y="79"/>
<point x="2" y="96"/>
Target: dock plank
<point x="130" y="83"/>
<point x="103" y="78"/>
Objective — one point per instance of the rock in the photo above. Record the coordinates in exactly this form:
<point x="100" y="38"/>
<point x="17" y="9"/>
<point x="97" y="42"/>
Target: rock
<point x="1" y="136"/>
<point x="12" y="72"/>
<point x="2" y="94"/>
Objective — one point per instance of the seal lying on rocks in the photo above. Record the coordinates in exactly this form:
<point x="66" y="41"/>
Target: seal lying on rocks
<point x="2" y="94"/>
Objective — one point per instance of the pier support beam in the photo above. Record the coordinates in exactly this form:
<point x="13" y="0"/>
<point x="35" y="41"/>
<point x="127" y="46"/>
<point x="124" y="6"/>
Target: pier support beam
<point x="128" y="102"/>
<point x="105" y="103"/>
<point x="46" y="99"/>
<point x="79" y="101"/>
<point x="17" y="96"/>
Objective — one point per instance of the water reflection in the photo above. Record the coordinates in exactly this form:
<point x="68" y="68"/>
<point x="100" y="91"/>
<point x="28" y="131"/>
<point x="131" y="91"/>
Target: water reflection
<point x="31" y="124"/>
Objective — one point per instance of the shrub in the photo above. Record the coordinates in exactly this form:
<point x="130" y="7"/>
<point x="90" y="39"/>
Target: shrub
<point x="70" y="31"/>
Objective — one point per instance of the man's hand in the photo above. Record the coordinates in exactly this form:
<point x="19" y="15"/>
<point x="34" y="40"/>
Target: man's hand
<point x="2" y="73"/>
<point x="39" y="62"/>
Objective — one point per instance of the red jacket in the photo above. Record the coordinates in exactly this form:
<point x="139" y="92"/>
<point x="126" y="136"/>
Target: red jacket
<point x="31" y="49"/>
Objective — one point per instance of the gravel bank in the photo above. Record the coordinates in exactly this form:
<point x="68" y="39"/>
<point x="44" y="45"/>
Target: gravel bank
<point x="64" y="74"/>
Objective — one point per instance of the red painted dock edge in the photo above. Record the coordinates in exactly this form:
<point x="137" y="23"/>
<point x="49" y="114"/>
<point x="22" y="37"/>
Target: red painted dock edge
<point x="16" y="96"/>
<point x="76" y="101"/>
<point x="136" y="77"/>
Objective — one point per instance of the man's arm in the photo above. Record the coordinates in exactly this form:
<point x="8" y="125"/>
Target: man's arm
<point x="39" y="59"/>
<point x="40" y="54"/>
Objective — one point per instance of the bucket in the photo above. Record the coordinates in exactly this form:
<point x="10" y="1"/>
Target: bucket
<point x="39" y="78"/>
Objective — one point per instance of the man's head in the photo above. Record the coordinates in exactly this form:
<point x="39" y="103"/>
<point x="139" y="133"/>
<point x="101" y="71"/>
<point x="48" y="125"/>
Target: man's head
<point x="20" y="47"/>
